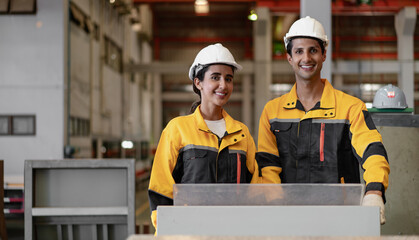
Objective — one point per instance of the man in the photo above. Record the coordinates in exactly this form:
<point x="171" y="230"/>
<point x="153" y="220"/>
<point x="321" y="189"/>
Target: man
<point x="315" y="133"/>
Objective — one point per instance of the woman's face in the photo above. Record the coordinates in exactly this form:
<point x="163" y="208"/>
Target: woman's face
<point x="217" y="86"/>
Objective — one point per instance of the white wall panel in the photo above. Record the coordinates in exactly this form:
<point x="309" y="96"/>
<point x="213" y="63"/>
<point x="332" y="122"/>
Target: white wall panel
<point x="84" y="5"/>
<point x="112" y="25"/>
<point x="134" y="121"/>
<point x="47" y="104"/>
<point x="112" y="102"/>
<point x="80" y="70"/>
<point x="96" y="124"/>
<point x="32" y="82"/>
<point x="146" y="107"/>
<point x="96" y="11"/>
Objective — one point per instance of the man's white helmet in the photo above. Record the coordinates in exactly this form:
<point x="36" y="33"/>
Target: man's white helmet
<point x="306" y="27"/>
<point x="212" y="54"/>
<point x="389" y="96"/>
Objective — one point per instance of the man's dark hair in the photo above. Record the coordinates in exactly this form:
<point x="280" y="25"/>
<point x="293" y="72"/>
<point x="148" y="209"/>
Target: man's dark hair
<point x="321" y="43"/>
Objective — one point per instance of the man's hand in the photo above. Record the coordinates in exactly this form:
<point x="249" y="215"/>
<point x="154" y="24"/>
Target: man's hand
<point x="372" y="198"/>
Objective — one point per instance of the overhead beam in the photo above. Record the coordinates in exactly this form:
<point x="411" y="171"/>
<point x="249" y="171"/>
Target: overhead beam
<point x="342" y="7"/>
<point x="189" y="1"/>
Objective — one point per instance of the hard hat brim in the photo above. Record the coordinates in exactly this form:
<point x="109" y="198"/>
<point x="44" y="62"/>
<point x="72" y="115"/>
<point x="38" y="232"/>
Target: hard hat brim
<point x="236" y="66"/>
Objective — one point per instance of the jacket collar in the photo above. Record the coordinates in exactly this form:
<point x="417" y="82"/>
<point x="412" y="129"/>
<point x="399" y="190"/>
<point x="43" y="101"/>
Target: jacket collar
<point x="231" y="125"/>
<point x="327" y="100"/>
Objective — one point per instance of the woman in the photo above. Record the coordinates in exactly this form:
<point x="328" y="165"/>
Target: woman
<point x="207" y="146"/>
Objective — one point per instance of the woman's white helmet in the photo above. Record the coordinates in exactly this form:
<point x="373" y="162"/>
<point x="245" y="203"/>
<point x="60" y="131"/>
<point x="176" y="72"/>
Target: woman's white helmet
<point x="306" y="27"/>
<point x="389" y="96"/>
<point x="212" y="54"/>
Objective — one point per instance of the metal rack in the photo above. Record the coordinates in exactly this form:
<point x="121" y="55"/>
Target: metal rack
<point x="79" y="199"/>
<point x="3" y="232"/>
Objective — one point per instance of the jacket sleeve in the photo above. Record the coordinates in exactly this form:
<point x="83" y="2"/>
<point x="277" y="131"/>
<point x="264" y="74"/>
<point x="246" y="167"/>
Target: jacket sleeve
<point x="160" y="190"/>
<point x="368" y="147"/>
<point x="267" y="155"/>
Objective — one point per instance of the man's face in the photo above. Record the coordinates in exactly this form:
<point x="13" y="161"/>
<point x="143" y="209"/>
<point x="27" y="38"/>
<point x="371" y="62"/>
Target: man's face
<point x="306" y="59"/>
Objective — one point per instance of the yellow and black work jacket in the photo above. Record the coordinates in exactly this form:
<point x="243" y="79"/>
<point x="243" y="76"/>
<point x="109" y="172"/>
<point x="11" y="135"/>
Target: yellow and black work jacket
<point x="188" y="152"/>
<point x="323" y="145"/>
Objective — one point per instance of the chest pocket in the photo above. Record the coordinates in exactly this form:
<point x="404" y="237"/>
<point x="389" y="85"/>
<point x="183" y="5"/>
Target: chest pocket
<point x="197" y="167"/>
<point x="282" y="132"/>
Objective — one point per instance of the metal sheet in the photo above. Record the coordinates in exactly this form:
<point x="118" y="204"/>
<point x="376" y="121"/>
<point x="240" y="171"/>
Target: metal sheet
<point x="267" y="194"/>
<point x="268" y="220"/>
<point x="395" y="120"/>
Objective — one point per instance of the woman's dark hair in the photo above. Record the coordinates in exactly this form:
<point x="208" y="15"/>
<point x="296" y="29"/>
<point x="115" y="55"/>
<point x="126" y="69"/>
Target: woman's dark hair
<point x="200" y="75"/>
<point x="289" y="46"/>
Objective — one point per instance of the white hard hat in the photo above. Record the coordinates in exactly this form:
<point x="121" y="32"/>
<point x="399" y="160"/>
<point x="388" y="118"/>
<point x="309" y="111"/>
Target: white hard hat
<point x="212" y="54"/>
<point x="389" y="96"/>
<point x="306" y="27"/>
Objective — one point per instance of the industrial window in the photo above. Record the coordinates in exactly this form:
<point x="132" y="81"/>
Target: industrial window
<point x="17" y="6"/>
<point x="79" y="127"/>
<point x="113" y="55"/>
<point x="4" y="125"/>
<point x="17" y="125"/>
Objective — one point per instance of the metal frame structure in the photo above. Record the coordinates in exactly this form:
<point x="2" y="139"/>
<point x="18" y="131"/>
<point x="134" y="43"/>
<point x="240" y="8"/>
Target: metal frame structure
<point x="3" y="231"/>
<point x="340" y="8"/>
<point x="47" y="204"/>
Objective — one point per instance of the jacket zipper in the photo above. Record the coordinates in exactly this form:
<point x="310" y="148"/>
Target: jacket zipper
<point x="238" y="168"/>
<point x="322" y="142"/>
<point x="218" y="154"/>
<point x="216" y="160"/>
<point x="298" y="136"/>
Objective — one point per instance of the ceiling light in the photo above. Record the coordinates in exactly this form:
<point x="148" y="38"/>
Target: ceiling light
<point x="201" y="2"/>
<point x="127" y="144"/>
<point x="201" y="7"/>
<point x="252" y="16"/>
